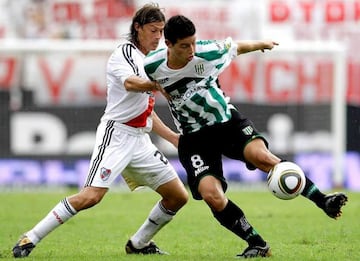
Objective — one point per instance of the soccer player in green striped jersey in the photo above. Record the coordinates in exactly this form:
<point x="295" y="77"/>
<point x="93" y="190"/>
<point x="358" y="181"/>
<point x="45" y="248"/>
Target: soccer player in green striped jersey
<point x="210" y="126"/>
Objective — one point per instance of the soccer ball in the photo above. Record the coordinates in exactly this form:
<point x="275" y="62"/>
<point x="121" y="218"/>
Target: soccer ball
<point x="286" y="180"/>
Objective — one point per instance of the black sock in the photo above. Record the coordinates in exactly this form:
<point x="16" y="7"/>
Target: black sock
<point x="233" y="218"/>
<point x="313" y="193"/>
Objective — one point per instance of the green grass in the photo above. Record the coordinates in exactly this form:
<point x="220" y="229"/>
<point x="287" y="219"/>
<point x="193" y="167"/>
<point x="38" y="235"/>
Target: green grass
<point x="295" y="229"/>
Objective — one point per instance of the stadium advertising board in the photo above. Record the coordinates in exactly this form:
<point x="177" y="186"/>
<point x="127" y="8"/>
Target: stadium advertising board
<point x="55" y="172"/>
<point x="52" y="145"/>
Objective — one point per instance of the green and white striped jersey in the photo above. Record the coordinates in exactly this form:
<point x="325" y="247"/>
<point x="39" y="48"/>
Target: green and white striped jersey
<point x="197" y="100"/>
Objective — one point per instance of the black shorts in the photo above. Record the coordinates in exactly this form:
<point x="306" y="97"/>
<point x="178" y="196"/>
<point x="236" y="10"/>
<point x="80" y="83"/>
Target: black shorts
<point x="201" y="152"/>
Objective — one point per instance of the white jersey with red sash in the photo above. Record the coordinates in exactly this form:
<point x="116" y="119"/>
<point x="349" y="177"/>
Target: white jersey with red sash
<point x="122" y="144"/>
<point x="130" y="108"/>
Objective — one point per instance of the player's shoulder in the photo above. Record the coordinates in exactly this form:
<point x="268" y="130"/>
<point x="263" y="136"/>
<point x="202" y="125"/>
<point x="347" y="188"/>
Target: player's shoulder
<point x="214" y="44"/>
<point x="124" y="48"/>
<point x="156" y="54"/>
<point x="205" y="42"/>
<point x="125" y="44"/>
<point x="154" y="59"/>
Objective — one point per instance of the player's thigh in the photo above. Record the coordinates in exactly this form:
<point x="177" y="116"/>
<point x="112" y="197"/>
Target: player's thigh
<point x="212" y="192"/>
<point x="110" y="157"/>
<point x="149" y="166"/>
<point x="200" y="162"/>
<point x="254" y="148"/>
<point x="257" y="153"/>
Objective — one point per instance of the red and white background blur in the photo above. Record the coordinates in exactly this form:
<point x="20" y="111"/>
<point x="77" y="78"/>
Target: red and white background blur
<point x="51" y="102"/>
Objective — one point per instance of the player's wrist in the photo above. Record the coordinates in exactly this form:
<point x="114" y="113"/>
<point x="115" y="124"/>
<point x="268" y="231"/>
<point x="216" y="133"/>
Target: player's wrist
<point x="156" y="86"/>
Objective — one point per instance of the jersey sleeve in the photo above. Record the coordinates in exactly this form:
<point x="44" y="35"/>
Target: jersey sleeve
<point x="217" y="49"/>
<point x="153" y="61"/>
<point x="122" y="62"/>
<point x="231" y="46"/>
<point x="219" y="53"/>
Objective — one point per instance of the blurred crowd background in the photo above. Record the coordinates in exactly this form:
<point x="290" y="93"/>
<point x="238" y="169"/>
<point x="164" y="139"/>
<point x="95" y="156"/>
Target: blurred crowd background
<point x="52" y="98"/>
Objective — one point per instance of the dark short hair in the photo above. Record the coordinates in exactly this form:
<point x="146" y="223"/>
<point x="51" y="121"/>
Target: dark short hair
<point x="178" y="27"/>
<point x="149" y="13"/>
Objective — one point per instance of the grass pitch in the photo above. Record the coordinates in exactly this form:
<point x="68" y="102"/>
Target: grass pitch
<point x="295" y="229"/>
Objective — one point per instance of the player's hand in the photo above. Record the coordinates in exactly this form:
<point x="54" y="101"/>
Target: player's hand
<point x="162" y="91"/>
<point x="176" y="141"/>
<point x="268" y="45"/>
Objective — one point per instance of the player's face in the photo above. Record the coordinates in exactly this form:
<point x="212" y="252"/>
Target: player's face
<point x="149" y="36"/>
<point x="182" y="51"/>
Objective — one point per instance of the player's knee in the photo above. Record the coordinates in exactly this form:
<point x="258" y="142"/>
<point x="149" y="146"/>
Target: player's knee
<point x="263" y="160"/>
<point x="93" y="200"/>
<point x="183" y="198"/>
<point x="174" y="195"/>
<point x="215" y="201"/>
<point x="267" y="161"/>
<point x="90" y="197"/>
<point x="176" y="201"/>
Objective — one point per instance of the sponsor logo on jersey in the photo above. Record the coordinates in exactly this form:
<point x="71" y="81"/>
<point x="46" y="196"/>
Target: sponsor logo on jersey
<point x="180" y="97"/>
<point x="199" y="68"/>
<point x="248" y="130"/>
<point x="162" y="81"/>
<point x="201" y="169"/>
<point x="105" y="173"/>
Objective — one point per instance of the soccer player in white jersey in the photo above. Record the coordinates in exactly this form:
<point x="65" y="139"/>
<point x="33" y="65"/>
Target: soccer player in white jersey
<point x="123" y="145"/>
<point x="211" y="126"/>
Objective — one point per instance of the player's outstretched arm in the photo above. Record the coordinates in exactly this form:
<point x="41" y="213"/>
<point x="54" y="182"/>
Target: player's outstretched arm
<point x="250" y="46"/>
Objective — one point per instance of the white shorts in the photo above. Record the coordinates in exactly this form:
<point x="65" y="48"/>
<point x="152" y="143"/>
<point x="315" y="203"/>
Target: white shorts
<point x="121" y="149"/>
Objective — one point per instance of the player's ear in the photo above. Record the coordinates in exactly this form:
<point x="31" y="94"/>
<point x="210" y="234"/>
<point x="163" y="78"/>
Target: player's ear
<point x="136" y="26"/>
<point x="168" y="43"/>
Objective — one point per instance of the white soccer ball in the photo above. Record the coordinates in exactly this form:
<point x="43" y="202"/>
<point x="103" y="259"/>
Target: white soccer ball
<point x="286" y="180"/>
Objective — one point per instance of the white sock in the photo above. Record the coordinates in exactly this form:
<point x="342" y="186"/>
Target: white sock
<point x="57" y="216"/>
<point x="158" y="217"/>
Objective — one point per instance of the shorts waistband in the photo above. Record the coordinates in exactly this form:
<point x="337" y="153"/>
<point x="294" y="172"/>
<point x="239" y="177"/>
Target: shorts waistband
<point x="132" y="130"/>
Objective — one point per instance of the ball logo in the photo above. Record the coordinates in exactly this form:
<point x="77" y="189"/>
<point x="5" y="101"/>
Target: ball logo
<point x="286" y="180"/>
<point x="284" y="186"/>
